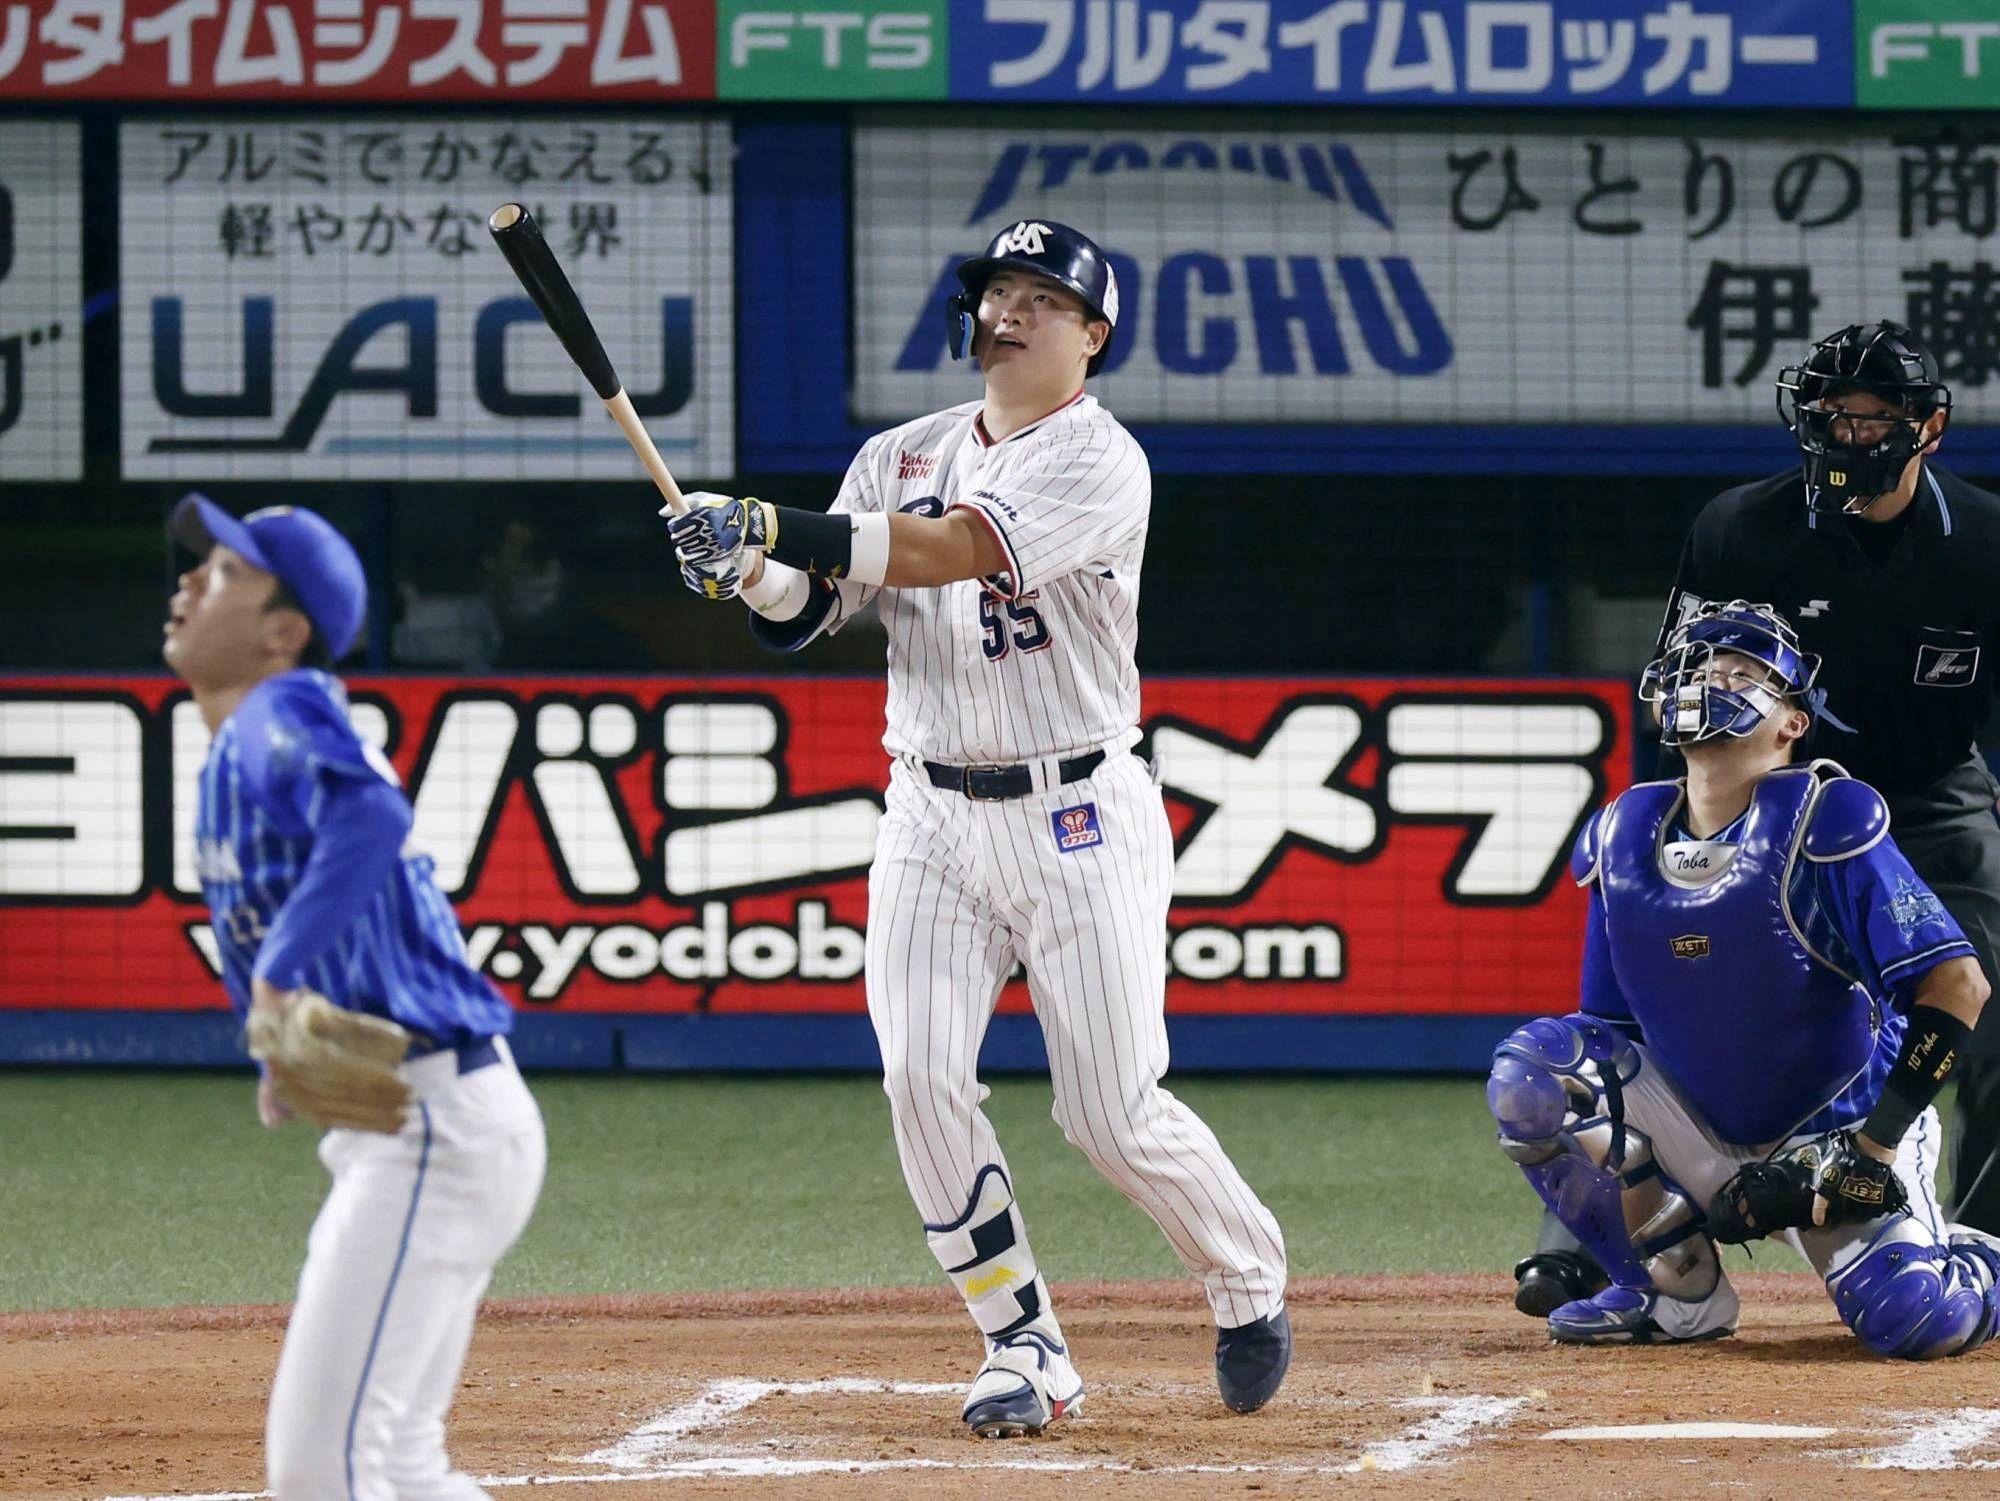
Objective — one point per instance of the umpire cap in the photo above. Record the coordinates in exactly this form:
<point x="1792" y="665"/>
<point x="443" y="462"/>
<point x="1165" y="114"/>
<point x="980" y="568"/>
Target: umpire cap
<point x="1056" y="251"/>
<point x="300" y="547"/>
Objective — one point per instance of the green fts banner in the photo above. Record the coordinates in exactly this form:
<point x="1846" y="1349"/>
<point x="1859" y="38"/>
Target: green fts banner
<point x="864" y="50"/>
<point x="1927" y="54"/>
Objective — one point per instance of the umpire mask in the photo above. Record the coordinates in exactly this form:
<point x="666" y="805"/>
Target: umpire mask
<point x="1853" y="459"/>
<point x="1724" y="669"/>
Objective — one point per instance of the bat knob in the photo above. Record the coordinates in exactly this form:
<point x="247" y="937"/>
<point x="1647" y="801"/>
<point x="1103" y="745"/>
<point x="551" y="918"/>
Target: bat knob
<point x="506" y="217"/>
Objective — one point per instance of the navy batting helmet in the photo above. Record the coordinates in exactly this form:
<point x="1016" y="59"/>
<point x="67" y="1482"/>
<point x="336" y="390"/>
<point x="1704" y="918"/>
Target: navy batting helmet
<point x="1850" y="463"/>
<point x="1056" y="251"/>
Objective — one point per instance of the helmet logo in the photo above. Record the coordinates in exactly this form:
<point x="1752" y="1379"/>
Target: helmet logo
<point x="1110" y="295"/>
<point x="1024" y="238"/>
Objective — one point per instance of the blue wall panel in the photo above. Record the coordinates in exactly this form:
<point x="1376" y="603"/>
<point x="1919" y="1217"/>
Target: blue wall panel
<point x="783" y="1043"/>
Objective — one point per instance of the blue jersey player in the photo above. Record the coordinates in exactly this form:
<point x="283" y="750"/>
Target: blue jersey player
<point x="302" y="837"/>
<point x="1771" y="1001"/>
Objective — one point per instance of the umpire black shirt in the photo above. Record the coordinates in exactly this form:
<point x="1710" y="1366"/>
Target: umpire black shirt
<point x="1909" y="643"/>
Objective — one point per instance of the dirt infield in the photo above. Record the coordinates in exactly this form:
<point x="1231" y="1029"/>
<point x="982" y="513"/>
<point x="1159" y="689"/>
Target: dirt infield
<point x="1417" y="1386"/>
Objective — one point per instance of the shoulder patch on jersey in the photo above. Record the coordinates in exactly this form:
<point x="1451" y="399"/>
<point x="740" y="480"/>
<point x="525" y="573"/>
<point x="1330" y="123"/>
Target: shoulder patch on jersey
<point x="1915" y="907"/>
<point x="1589" y="849"/>
<point x="1847" y="818"/>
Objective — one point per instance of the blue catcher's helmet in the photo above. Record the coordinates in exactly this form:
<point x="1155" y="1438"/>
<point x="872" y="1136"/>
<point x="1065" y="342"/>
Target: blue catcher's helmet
<point x="1056" y="251"/>
<point x="1850" y="463"/>
<point x="1700" y="700"/>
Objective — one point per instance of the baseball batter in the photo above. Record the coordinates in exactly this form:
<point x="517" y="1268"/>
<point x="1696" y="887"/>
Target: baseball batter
<point x="1004" y="539"/>
<point x="1771" y="1001"/>
<point x="331" y="933"/>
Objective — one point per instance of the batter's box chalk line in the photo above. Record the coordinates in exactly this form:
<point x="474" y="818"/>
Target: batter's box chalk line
<point x="1929" y="1441"/>
<point x="1452" y="1424"/>
<point x="665" y="1447"/>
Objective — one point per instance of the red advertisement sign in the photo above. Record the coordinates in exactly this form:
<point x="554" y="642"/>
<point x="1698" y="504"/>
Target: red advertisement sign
<point x="503" y="50"/>
<point x="661" y="845"/>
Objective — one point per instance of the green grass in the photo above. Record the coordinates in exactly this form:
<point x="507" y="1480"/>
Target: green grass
<point x="135" y="1189"/>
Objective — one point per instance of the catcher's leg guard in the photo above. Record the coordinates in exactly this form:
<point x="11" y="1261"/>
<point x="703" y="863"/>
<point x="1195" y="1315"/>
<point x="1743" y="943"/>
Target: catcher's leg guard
<point x="1556" y="1092"/>
<point x="1028" y="1380"/>
<point x="1560" y="1271"/>
<point x="1908" y="1297"/>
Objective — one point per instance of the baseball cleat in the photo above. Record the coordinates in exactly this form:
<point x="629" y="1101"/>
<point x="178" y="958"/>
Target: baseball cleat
<point x="1025" y="1385"/>
<point x="1630" y="1316"/>
<point x="1548" y="1279"/>
<point x="1251" y="1360"/>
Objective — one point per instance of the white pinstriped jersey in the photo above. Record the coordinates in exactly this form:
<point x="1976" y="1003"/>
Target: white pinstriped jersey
<point x="1037" y="661"/>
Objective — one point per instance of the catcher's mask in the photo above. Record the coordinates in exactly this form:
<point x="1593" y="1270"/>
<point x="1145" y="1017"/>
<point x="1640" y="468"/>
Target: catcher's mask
<point x="1852" y="461"/>
<point x="1056" y="251"/>
<point x="1703" y="698"/>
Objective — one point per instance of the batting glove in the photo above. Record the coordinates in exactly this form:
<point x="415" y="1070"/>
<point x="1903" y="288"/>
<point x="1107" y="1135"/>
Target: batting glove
<point x="711" y="580"/>
<point x="717" y="528"/>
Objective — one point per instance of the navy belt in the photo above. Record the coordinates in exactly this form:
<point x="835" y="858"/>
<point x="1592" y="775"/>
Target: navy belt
<point x="992" y="784"/>
<point x="472" y="1056"/>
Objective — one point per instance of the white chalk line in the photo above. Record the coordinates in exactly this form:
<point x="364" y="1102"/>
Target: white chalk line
<point x="642" y="1454"/>
<point x="1931" y="1441"/>
<point x="644" y="1445"/>
<point x="1452" y="1424"/>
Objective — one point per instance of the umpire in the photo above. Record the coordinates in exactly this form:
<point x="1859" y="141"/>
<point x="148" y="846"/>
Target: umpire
<point x="1890" y="569"/>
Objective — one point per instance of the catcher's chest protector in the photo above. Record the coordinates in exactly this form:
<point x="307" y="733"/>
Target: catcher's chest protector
<point x="1758" y="1031"/>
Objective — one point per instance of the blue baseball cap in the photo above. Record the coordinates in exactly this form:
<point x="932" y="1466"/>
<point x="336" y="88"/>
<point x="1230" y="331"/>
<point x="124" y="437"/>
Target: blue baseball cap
<point x="299" y="546"/>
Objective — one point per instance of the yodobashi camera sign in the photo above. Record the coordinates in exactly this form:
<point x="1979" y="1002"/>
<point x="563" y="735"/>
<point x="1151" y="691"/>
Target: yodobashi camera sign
<point x="1368" y="846"/>
<point x="317" y="297"/>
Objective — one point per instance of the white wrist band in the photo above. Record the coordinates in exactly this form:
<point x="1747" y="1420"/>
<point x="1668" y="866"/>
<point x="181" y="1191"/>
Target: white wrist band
<point x="780" y="592"/>
<point x="868" y="562"/>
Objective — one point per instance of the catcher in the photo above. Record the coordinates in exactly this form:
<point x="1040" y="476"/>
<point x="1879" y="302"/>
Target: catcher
<point x="347" y="966"/>
<point x="1771" y="1001"/>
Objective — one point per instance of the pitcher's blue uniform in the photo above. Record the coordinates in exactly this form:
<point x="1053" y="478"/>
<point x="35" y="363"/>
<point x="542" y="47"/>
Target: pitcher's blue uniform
<point x="302" y="834"/>
<point x="301" y="830"/>
<point x="1741" y="994"/>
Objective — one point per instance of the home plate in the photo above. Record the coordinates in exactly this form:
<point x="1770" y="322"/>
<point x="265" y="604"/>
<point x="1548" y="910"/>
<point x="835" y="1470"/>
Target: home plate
<point x="1692" y="1430"/>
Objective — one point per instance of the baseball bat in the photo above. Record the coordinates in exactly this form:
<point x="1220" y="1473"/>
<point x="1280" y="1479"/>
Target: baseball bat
<point x="520" y="239"/>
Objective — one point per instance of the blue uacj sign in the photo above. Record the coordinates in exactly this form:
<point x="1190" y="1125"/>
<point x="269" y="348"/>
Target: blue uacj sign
<point x="1744" y="53"/>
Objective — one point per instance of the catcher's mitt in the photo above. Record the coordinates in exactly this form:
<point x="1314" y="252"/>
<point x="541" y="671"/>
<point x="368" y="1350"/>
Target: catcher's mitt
<point x="1765" y="1198"/>
<point x="332" y="1066"/>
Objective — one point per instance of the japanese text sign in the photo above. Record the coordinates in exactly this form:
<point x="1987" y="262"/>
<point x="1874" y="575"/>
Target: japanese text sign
<point x="41" y="302"/>
<point x="358" y="49"/>
<point x="320" y="297"/>
<point x="1476" y="269"/>
<point x="1492" y="52"/>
